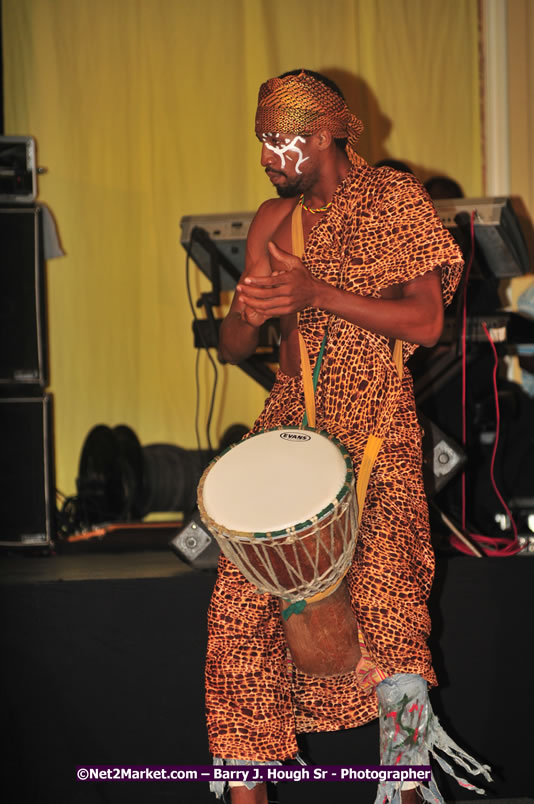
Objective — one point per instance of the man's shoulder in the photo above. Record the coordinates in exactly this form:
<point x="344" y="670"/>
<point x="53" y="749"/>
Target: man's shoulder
<point x="381" y="188"/>
<point x="275" y="207"/>
<point x="389" y="181"/>
<point x="271" y="213"/>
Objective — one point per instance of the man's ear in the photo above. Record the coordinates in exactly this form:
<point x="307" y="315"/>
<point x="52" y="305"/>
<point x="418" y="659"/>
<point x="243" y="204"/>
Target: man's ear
<point x="324" y="139"/>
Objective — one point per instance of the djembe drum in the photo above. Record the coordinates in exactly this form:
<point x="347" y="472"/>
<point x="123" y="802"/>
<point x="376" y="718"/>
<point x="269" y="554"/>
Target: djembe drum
<point x="282" y="506"/>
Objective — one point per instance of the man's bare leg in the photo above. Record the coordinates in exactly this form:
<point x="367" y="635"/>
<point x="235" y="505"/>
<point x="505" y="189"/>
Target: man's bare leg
<point x="239" y="794"/>
<point x="411" y="796"/>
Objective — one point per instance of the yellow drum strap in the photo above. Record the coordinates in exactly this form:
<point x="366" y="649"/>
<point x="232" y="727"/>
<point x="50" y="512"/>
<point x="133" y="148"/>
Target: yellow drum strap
<point x="307" y="382"/>
<point x="397" y="357"/>
<point x="297" y="238"/>
<point x="297" y="232"/>
<point x="366" y="467"/>
<point x="373" y="445"/>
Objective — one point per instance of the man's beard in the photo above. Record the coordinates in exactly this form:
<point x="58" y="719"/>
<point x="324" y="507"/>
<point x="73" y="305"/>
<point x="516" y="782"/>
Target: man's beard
<point x="296" y="186"/>
<point x="290" y="190"/>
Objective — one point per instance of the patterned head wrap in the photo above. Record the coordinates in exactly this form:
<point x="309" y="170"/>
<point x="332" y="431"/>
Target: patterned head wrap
<point x="300" y="104"/>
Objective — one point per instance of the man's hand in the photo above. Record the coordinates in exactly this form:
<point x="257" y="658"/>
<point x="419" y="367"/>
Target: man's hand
<point x="289" y="289"/>
<point x="252" y="316"/>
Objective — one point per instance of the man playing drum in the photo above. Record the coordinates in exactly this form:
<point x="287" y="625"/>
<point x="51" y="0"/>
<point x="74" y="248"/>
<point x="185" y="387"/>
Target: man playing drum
<point x="377" y="269"/>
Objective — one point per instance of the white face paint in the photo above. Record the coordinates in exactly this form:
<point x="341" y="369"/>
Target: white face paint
<point x="283" y="151"/>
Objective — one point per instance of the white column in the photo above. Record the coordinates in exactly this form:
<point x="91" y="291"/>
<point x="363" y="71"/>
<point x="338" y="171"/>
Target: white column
<point x="496" y="97"/>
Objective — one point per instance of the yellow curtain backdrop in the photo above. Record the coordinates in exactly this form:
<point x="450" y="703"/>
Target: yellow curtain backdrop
<point x="143" y="112"/>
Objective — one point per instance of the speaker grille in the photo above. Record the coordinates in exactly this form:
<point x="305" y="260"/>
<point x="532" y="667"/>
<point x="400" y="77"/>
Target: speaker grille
<point x="26" y="471"/>
<point x="23" y="357"/>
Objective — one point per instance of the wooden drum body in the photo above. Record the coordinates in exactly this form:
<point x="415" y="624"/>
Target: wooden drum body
<point x="282" y="507"/>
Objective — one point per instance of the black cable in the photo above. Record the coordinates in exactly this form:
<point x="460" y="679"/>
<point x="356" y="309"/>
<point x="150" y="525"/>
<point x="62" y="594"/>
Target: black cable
<point x="212" y="401"/>
<point x="210" y="358"/>
<point x="197" y="386"/>
<point x="192" y="306"/>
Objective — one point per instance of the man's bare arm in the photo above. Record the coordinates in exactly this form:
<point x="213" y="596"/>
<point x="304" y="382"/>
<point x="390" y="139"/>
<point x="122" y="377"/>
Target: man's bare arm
<point x="414" y="315"/>
<point x="239" y="331"/>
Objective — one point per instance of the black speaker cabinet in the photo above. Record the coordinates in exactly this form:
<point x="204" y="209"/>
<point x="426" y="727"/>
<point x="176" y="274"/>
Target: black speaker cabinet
<point x="27" y="484"/>
<point x="23" y="334"/>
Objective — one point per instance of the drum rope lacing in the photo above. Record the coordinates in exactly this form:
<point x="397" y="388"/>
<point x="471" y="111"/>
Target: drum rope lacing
<point x="234" y="545"/>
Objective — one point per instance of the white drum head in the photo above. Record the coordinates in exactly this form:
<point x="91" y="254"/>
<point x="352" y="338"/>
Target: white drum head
<point x="275" y="480"/>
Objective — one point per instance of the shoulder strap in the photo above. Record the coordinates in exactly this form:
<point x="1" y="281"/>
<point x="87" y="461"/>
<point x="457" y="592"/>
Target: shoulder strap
<point x="297" y="246"/>
<point x="397" y="357"/>
<point x="297" y="232"/>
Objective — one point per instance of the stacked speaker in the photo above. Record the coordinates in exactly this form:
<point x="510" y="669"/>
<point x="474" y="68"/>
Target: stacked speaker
<point x="27" y="485"/>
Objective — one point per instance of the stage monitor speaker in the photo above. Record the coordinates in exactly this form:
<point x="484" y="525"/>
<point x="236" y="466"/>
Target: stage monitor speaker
<point x="442" y="456"/>
<point x="23" y="356"/>
<point x="27" y="485"/>
<point x="18" y="170"/>
<point x="195" y="545"/>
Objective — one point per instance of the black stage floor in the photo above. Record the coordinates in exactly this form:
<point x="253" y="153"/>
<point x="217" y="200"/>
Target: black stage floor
<point x="102" y="664"/>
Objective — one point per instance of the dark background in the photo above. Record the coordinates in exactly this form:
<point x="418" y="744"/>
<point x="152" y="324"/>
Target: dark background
<point x="1" y="77"/>
<point x="110" y="672"/>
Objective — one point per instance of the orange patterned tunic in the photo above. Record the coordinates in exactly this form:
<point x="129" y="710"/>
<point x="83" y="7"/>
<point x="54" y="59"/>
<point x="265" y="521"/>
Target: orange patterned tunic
<point x="381" y="230"/>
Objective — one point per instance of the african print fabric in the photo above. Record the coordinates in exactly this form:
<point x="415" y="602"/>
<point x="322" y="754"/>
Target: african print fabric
<point x="381" y="230"/>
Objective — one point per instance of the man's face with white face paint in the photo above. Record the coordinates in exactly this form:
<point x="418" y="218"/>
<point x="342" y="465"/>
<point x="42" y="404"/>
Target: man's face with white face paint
<point x="284" y="157"/>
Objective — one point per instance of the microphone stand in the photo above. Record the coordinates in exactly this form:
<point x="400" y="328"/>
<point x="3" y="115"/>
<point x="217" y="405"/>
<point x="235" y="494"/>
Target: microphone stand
<point x="212" y="298"/>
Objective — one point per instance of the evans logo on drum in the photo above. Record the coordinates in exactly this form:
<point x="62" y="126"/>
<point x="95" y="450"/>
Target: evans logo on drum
<point x="293" y="436"/>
